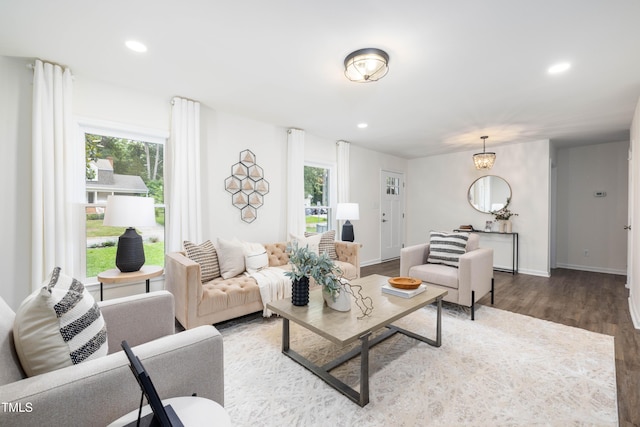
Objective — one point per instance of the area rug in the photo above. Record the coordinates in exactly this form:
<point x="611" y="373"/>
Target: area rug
<point x="503" y="369"/>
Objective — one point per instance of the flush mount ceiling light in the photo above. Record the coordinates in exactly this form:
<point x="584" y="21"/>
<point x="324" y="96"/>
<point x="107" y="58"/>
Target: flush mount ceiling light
<point x="484" y="160"/>
<point x="136" y="46"/>
<point x="362" y="125"/>
<point x="366" y="65"/>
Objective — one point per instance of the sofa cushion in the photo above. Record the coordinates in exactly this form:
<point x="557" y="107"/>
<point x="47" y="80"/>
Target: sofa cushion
<point x="436" y="273"/>
<point x="204" y="254"/>
<point x="230" y="257"/>
<point x="327" y="243"/>
<point x="59" y="325"/>
<point x="312" y="242"/>
<point x="10" y="369"/>
<point x="255" y="257"/>
<point x="446" y="248"/>
<point x="222" y="294"/>
<point x="349" y="271"/>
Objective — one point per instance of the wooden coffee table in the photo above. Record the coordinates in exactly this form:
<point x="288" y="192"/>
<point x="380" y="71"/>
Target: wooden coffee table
<point x="343" y="328"/>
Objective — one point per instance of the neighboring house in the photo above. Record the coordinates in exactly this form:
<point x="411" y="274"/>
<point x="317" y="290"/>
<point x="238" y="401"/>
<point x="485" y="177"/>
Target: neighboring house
<point x="106" y="183"/>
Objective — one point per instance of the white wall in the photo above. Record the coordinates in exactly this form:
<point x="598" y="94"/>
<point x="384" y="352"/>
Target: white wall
<point x="365" y="166"/>
<point x="588" y="223"/>
<point x="15" y="167"/>
<point x="437" y="200"/>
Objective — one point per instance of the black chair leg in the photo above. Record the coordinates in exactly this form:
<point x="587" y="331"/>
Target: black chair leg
<point x="473" y="305"/>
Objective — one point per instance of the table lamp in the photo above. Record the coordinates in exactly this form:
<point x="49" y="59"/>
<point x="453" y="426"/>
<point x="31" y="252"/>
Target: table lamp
<point x="130" y="212"/>
<point x="348" y="211"/>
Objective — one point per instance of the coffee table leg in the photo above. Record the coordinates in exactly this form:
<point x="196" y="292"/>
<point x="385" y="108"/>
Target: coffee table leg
<point x="364" y="370"/>
<point x="439" y="324"/>
<point x="285" y="335"/>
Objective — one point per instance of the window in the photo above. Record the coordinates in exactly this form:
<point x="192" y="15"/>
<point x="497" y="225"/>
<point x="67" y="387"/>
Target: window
<point x="318" y="186"/>
<point x="116" y="165"/>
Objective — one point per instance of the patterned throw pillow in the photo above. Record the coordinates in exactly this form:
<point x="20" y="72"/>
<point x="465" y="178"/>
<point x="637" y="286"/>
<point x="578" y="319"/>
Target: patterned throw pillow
<point x="59" y="325"/>
<point x="327" y="243"/>
<point x="204" y="254"/>
<point x="446" y="248"/>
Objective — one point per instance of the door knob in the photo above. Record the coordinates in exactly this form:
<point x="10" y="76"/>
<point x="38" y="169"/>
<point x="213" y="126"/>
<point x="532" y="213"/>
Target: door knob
<point x="627" y="227"/>
<point x="384" y="220"/>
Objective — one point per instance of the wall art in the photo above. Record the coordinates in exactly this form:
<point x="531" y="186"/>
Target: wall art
<point x="247" y="186"/>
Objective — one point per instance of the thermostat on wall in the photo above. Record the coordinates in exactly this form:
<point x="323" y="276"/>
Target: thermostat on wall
<point x="600" y="194"/>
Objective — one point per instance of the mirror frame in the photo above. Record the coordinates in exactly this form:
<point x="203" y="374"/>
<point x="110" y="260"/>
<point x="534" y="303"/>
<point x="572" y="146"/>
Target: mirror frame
<point x="478" y="179"/>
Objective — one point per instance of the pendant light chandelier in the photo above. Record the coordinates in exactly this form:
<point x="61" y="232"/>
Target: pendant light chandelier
<point x="484" y="160"/>
<point x="366" y="65"/>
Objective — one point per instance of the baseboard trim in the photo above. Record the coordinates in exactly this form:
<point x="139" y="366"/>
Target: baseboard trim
<point x="593" y="269"/>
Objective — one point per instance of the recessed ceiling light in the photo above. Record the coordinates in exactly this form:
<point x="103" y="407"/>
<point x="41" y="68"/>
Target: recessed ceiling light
<point x="559" y="68"/>
<point x="136" y="46"/>
<point x="362" y="125"/>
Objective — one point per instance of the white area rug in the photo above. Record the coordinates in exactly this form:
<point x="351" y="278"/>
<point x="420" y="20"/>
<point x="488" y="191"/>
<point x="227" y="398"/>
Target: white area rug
<point x="503" y="369"/>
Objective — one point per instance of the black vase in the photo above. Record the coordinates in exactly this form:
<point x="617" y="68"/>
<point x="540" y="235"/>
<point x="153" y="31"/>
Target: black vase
<point x="300" y="291"/>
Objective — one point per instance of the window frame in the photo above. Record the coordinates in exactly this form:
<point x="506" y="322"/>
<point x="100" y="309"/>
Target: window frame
<point x="333" y="191"/>
<point x="117" y="130"/>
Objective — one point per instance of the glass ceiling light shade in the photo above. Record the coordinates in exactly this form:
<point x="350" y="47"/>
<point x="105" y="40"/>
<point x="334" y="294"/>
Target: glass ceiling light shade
<point x="484" y="160"/>
<point x="366" y="65"/>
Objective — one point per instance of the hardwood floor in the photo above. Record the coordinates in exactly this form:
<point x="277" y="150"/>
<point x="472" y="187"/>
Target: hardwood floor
<point x="594" y="301"/>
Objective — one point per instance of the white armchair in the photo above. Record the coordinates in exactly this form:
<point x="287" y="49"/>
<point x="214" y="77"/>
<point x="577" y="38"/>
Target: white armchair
<point x="468" y="283"/>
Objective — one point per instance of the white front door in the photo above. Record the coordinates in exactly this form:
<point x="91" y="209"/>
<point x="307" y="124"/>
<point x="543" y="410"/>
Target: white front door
<point x="391" y="214"/>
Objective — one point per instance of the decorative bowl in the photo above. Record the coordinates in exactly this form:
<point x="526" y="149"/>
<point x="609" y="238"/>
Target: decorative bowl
<point x="405" y="282"/>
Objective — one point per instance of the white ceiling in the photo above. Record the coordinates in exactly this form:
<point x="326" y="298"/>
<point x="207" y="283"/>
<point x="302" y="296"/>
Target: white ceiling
<point x="458" y="69"/>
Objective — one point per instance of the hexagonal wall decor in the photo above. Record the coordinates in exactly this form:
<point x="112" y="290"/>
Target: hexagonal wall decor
<point x="247" y="186"/>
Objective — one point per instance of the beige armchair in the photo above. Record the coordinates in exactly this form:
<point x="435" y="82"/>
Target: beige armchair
<point x="465" y="285"/>
<point x="96" y="392"/>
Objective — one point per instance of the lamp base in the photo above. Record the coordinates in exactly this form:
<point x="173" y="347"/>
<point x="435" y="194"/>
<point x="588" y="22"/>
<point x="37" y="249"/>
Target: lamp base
<point x="347" y="232"/>
<point x="130" y="253"/>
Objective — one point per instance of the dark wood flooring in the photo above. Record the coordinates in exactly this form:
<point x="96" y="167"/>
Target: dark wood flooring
<point x="594" y="301"/>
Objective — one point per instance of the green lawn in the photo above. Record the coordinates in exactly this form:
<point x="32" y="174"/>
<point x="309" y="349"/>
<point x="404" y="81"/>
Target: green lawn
<point x="101" y="259"/>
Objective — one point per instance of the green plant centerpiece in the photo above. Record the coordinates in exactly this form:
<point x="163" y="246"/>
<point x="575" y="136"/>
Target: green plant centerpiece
<point x="305" y="263"/>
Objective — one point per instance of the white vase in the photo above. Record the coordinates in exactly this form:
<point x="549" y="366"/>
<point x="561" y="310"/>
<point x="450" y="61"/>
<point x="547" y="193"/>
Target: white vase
<point x="507" y="226"/>
<point x="342" y="301"/>
<point x="501" y="225"/>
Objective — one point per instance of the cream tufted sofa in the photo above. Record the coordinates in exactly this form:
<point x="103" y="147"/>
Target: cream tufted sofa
<point x="221" y="299"/>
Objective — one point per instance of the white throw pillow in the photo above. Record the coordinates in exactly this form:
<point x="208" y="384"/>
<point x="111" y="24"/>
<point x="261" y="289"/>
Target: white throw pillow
<point x="327" y="243"/>
<point x="59" y="325"/>
<point x="255" y="257"/>
<point x="312" y="242"/>
<point x="230" y="258"/>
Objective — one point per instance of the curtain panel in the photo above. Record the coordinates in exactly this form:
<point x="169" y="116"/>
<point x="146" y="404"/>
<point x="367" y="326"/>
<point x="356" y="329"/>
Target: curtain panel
<point x="184" y="213"/>
<point x="343" y="171"/>
<point x="57" y="174"/>
<point x="295" y="182"/>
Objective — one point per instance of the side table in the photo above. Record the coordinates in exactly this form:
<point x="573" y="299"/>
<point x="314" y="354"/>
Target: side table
<point x="116" y="276"/>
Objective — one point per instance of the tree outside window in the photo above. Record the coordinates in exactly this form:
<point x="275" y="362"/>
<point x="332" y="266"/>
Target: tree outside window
<point x="316" y="192"/>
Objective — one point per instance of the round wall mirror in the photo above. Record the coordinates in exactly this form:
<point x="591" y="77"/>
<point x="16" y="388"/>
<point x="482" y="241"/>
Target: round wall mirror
<point x="489" y="193"/>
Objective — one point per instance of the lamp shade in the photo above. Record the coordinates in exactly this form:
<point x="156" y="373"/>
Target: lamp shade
<point x="348" y="211"/>
<point x="129" y="211"/>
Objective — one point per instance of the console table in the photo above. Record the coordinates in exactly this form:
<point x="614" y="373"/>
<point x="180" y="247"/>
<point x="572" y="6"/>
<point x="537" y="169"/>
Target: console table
<point x="514" y="248"/>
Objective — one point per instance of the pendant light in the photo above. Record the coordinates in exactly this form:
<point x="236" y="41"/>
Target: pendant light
<point x="484" y="160"/>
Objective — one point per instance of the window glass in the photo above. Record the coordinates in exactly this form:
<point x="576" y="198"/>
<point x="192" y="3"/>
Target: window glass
<point x="120" y="166"/>
<point x="317" y="210"/>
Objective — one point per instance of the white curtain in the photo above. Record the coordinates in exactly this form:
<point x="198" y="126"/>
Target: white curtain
<point x="183" y="186"/>
<point x="343" y="171"/>
<point x="55" y="172"/>
<point x="295" y="182"/>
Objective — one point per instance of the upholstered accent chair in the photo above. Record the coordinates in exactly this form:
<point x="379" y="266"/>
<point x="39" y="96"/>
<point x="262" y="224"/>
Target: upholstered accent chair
<point x="97" y="392"/>
<point x="466" y="284"/>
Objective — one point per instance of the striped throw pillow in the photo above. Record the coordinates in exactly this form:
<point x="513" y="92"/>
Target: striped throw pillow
<point x="204" y="254"/>
<point x="446" y="248"/>
<point x="59" y="325"/>
<point x="327" y="243"/>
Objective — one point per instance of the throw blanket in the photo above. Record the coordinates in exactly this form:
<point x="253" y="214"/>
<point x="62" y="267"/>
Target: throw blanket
<point x="273" y="284"/>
